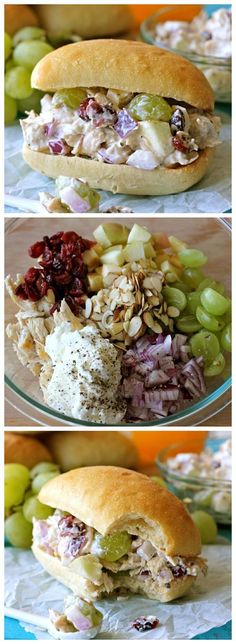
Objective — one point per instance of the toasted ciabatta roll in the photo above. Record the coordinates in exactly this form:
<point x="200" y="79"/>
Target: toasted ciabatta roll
<point x="115" y="530"/>
<point x="78" y="449"/>
<point x="87" y="20"/>
<point x="25" y="450"/>
<point x="93" y="128"/>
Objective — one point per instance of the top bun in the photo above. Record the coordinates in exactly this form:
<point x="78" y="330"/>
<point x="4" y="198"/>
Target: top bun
<point x="112" y="499"/>
<point x="88" y="21"/>
<point x="124" y="65"/>
<point x="78" y="449"/>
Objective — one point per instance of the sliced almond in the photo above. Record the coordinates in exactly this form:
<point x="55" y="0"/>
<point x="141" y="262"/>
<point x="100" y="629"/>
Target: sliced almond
<point x="126" y="326"/>
<point x="156" y="283"/>
<point x="147" y="282"/>
<point x="135" y="326"/>
<point x="97" y="316"/>
<point x="151" y="323"/>
<point x="88" y="308"/>
<point x="129" y="313"/>
<point x="120" y="345"/>
<point x="153" y="300"/>
<point x="116" y="328"/>
<point x="107" y="319"/>
<point x="148" y="293"/>
<point x="173" y="312"/>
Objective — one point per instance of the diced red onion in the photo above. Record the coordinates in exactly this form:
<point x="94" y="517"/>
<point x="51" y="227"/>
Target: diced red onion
<point x="124" y="124"/>
<point x="79" y="621"/>
<point x="146" y="550"/>
<point x="50" y="128"/>
<point x="71" y="198"/>
<point x="58" y="146"/>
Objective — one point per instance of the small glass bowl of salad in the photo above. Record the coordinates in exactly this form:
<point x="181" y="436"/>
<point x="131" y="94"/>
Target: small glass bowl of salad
<point x="200" y="477"/>
<point x="205" y="40"/>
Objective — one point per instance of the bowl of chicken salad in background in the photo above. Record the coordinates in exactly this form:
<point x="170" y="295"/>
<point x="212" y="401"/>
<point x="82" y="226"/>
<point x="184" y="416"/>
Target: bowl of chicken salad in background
<point x="128" y="321"/>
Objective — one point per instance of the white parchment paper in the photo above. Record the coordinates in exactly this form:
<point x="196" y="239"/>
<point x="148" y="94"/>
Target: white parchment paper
<point x="208" y="605"/>
<point x="212" y="194"/>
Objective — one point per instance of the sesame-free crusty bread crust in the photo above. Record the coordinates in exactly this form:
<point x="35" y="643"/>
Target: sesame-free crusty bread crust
<point x="86" y="589"/>
<point x="80" y="449"/>
<point x="122" y="179"/>
<point x="86" y="20"/>
<point x="124" y="65"/>
<point x="112" y="499"/>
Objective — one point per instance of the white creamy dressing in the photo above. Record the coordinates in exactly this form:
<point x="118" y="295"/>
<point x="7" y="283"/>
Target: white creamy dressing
<point x="209" y="36"/>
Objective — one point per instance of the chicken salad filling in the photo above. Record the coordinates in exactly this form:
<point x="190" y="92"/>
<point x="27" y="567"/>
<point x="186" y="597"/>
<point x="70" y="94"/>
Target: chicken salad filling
<point x="114" y="127"/>
<point x="110" y="561"/>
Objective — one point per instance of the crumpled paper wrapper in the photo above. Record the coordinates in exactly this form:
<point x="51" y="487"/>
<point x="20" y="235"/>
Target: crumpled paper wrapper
<point x="212" y="194"/>
<point x="208" y="605"/>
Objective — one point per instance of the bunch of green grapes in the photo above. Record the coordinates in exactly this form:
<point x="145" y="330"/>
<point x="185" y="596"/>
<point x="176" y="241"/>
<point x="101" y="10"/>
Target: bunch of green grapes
<point x="205" y="311"/>
<point x="20" y="500"/>
<point x="21" y="53"/>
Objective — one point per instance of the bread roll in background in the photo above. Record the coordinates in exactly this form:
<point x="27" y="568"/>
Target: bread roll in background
<point x="77" y="449"/>
<point x="17" y="16"/>
<point x="87" y="21"/>
<point x="25" y="450"/>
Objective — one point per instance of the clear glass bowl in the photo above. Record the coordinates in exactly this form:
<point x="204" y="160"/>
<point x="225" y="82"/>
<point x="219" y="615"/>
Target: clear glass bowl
<point x="217" y="70"/>
<point x="197" y="492"/>
<point x="211" y="235"/>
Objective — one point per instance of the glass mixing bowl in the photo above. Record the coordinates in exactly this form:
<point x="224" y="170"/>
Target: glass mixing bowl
<point x="216" y="69"/>
<point x="211" y="235"/>
<point x="199" y="493"/>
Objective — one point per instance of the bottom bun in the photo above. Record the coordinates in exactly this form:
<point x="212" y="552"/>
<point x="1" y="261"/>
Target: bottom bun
<point x="121" y="178"/>
<point x="86" y="589"/>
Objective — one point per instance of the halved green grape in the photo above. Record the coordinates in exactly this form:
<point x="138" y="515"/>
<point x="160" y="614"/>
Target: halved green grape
<point x="31" y="103"/>
<point x="10" y="109"/>
<point x="226" y="338"/>
<point x="7" y="46"/>
<point x="205" y="344"/>
<point x="9" y="64"/>
<point x="193" y="301"/>
<point x="174" y="297"/>
<point x="18" y="471"/>
<point x="17" y="83"/>
<point x="28" y="33"/>
<point x="192" y="277"/>
<point x="14" y="490"/>
<point x="206" y="526"/>
<point x="88" y="610"/>
<point x="188" y="324"/>
<point x="33" y="508"/>
<point x="214" y="302"/>
<point x="112" y="547"/>
<point x="203" y="498"/>
<point x="181" y="286"/>
<point x="70" y="97"/>
<point x="41" y="479"/>
<point x="29" y="52"/>
<point x="192" y="258"/>
<point x="146" y="107"/>
<point x="208" y="321"/>
<point x="216" y="367"/>
<point x="18" y="531"/>
<point x="208" y="282"/>
<point x="88" y="193"/>
<point x="41" y="468"/>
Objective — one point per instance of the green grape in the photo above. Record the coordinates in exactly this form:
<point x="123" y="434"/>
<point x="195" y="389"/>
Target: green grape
<point x="33" y="508"/>
<point x="181" y="287"/>
<point x="226" y="338"/>
<point x="192" y="277"/>
<point x="70" y="97"/>
<point x="206" y="526"/>
<point x="192" y="258"/>
<point x="9" y="65"/>
<point x="88" y="193"/>
<point x="31" y="103"/>
<point x="10" y="109"/>
<point x="42" y="468"/>
<point x="14" y="490"/>
<point x="193" y="300"/>
<point x="17" y="83"/>
<point x="28" y="33"/>
<point x="208" y="321"/>
<point x="216" y="367"/>
<point x="112" y="547"/>
<point x="159" y="481"/>
<point x="145" y="107"/>
<point x="208" y="282"/>
<point x="29" y="52"/>
<point x="41" y="479"/>
<point x="18" y="531"/>
<point x="187" y="324"/>
<point x="205" y="344"/>
<point x="7" y="46"/>
<point x="203" y="498"/>
<point x="174" y="297"/>
<point x="214" y="302"/>
<point x="88" y="610"/>
<point x="18" y="471"/>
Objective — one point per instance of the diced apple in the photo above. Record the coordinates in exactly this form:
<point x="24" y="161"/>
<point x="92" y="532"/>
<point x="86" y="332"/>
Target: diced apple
<point x="134" y="252"/>
<point x="87" y="567"/>
<point x="95" y="282"/>
<point x="149" y="250"/>
<point x="176" y="262"/>
<point x="159" y="137"/>
<point x="98" y="249"/>
<point x="139" y="233"/>
<point x="168" y="269"/>
<point x="113" y="257"/>
<point x="117" y="247"/>
<point x="110" y="268"/>
<point x="90" y="258"/>
<point x="108" y="234"/>
<point x="176" y="244"/>
<point x="98" y="270"/>
<point x="160" y="240"/>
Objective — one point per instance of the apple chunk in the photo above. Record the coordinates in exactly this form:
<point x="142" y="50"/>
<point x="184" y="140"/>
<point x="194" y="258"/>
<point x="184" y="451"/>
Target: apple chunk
<point x="134" y="252"/>
<point x="139" y="233"/>
<point x="113" y="257"/>
<point x="95" y="282"/>
<point x="149" y="250"/>
<point x="91" y="258"/>
<point x="109" y="234"/>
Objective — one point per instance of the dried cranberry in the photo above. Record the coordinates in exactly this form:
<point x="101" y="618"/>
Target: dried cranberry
<point x="178" y="571"/>
<point x="32" y="274"/>
<point x="88" y="108"/>
<point x="143" y="624"/>
<point x="69" y="236"/>
<point x="37" y="249"/>
<point x="179" y="144"/>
